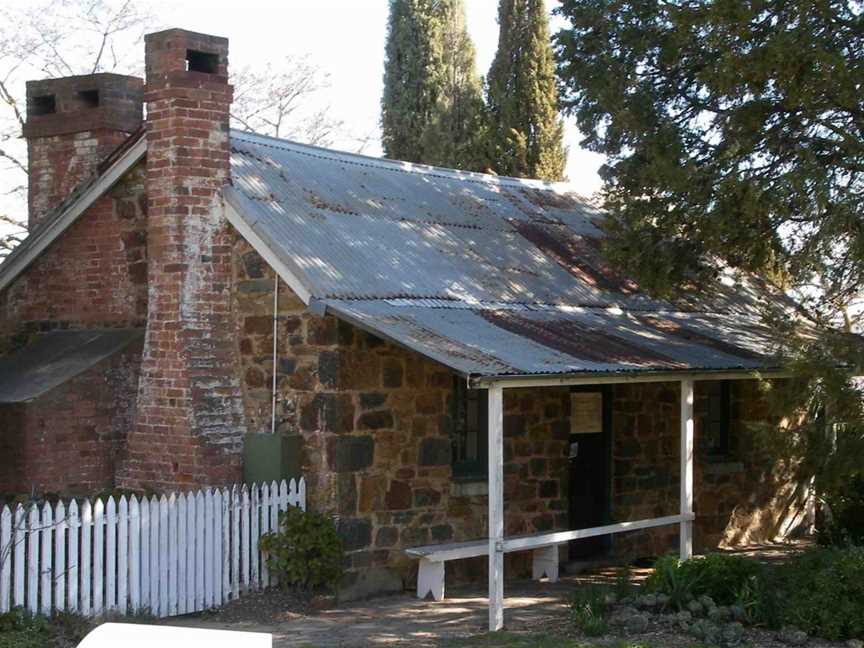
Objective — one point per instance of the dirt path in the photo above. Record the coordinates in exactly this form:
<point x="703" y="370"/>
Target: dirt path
<point x="404" y="620"/>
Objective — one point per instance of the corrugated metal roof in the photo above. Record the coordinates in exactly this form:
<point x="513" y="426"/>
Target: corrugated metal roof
<point x="526" y="340"/>
<point x="487" y="275"/>
<point x="55" y="357"/>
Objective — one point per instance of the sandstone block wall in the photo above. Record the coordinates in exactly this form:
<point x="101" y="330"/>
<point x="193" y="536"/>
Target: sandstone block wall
<point x="749" y="496"/>
<point x="375" y="422"/>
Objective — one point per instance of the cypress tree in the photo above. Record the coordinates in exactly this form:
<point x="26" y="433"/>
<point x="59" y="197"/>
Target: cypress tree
<point x="410" y="91"/>
<point x="431" y="110"/>
<point x="522" y="97"/>
<point x="455" y="133"/>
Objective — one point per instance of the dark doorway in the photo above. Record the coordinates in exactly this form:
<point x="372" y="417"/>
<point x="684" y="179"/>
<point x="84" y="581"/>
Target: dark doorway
<point x="590" y="458"/>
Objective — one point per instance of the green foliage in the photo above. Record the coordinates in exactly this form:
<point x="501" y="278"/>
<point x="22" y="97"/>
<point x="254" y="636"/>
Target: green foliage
<point x="733" y="136"/>
<point x="306" y="552"/>
<point x="21" y="629"/>
<point x="733" y="130"/>
<point x="526" y="138"/>
<point x="719" y="576"/>
<point x="624" y="587"/>
<point x="844" y="523"/>
<point x="589" y="609"/>
<point x="670" y="579"/>
<point x="432" y="106"/>
<point x="822" y="592"/>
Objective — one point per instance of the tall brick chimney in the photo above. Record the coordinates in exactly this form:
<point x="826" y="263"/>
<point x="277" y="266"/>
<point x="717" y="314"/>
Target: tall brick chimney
<point x="72" y="124"/>
<point x="190" y="420"/>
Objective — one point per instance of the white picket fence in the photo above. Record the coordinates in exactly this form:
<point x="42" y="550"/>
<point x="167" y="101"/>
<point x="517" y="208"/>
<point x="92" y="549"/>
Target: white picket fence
<point x="170" y="555"/>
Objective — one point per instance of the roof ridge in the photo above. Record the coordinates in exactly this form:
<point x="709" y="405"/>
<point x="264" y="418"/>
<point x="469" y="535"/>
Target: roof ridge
<point x="407" y="167"/>
<point x="462" y="304"/>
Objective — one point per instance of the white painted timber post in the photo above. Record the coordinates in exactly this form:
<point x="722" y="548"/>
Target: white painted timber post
<point x="686" y="542"/>
<point x="496" y="508"/>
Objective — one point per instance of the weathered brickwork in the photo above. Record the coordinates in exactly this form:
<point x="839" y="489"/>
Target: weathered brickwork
<point x="747" y="496"/>
<point x="190" y="425"/>
<point x="375" y="420"/>
<point x="94" y="276"/>
<point x="73" y="124"/>
<point x="70" y="440"/>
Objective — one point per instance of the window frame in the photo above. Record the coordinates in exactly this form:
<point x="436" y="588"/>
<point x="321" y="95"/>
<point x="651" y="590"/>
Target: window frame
<point x="719" y="448"/>
<point x="477" y="468"/>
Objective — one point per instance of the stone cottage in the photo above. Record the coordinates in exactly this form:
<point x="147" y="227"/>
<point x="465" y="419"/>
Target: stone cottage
<point x="196" y="305"/>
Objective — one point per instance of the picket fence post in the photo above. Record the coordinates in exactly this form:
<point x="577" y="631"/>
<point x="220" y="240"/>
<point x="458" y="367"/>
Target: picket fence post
<point x="173" y="554"/>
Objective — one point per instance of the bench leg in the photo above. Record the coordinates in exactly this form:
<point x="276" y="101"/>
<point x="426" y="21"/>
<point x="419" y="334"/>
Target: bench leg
<point x="430" y="578"/>
<point x="546" y="563"/>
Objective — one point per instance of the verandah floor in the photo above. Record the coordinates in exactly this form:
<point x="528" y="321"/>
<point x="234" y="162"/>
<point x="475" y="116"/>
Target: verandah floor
<point x="531" y="608"/>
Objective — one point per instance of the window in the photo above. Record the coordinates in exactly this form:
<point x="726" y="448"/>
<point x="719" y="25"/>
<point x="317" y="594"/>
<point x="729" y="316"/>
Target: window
<point x="717" y="418"/>
<point x="470" y="436"/>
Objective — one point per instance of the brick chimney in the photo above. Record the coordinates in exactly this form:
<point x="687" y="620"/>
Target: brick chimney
<point x="190" y="421"/>
<point x="72" y="124"/>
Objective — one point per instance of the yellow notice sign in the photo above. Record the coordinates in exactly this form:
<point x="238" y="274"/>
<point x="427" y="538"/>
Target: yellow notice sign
<point x="586" y="412"/>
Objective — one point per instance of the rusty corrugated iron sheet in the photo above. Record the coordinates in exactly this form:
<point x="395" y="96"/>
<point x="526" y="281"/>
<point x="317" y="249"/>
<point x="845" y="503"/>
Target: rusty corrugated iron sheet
<point x="523" y="340"/>
<point x="488" y="275"/>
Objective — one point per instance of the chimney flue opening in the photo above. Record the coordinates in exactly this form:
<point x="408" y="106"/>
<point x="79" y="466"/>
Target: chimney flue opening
<point x="43" y="105"/>
<point x="202" y="62"/>
<point x="88" y="98"/>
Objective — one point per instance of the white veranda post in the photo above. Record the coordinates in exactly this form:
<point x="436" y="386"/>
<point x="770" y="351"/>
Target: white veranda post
<point x="686" y="526"/>
<point x="496" y="508"/>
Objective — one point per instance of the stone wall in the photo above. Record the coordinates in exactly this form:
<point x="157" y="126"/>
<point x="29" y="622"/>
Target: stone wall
<point x="745" y="497"/>
<point x="375" y="422"/>
<point x="70" y="440"/>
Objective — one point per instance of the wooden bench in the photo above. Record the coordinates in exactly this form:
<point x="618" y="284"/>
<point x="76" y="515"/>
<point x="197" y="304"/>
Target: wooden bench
<point x="430" y="578"/>
<point x="544" y="545"/>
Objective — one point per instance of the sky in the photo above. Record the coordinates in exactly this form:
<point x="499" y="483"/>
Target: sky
<point x="345" y="38"/>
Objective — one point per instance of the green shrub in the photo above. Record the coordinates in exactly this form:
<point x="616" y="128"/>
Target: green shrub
<point x="306" y="551"/>
<point x="721" y="576"/>
<point x="21" y="629"/>
<point x="844" y="524"/>
<point x="670" y="578"/>
<point x="822" y="592"/>
<point x="624" y="587"/>
<point x="589" y="609"/>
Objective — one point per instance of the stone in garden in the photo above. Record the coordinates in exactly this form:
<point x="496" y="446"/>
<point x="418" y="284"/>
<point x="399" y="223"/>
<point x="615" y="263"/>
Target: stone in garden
<point x="706" y="631"/>
<point x="611" y="598"/>
<point x="662" y="600"/>
<point x="793" y="636"/>
<point x="637" y="623"/>
<point x="648" y="601"/>
<point x="738" y="612"/>
<point x="620" y="618"/>
<point x="854" y="643"/>
<point x="732" y="634"/>
<point x="719" y="614"/>
<point x="695" y="608"/>
<point x="707" y="602"/>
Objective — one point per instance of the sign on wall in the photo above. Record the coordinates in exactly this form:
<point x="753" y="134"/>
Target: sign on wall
<point x="586" y="412"/>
